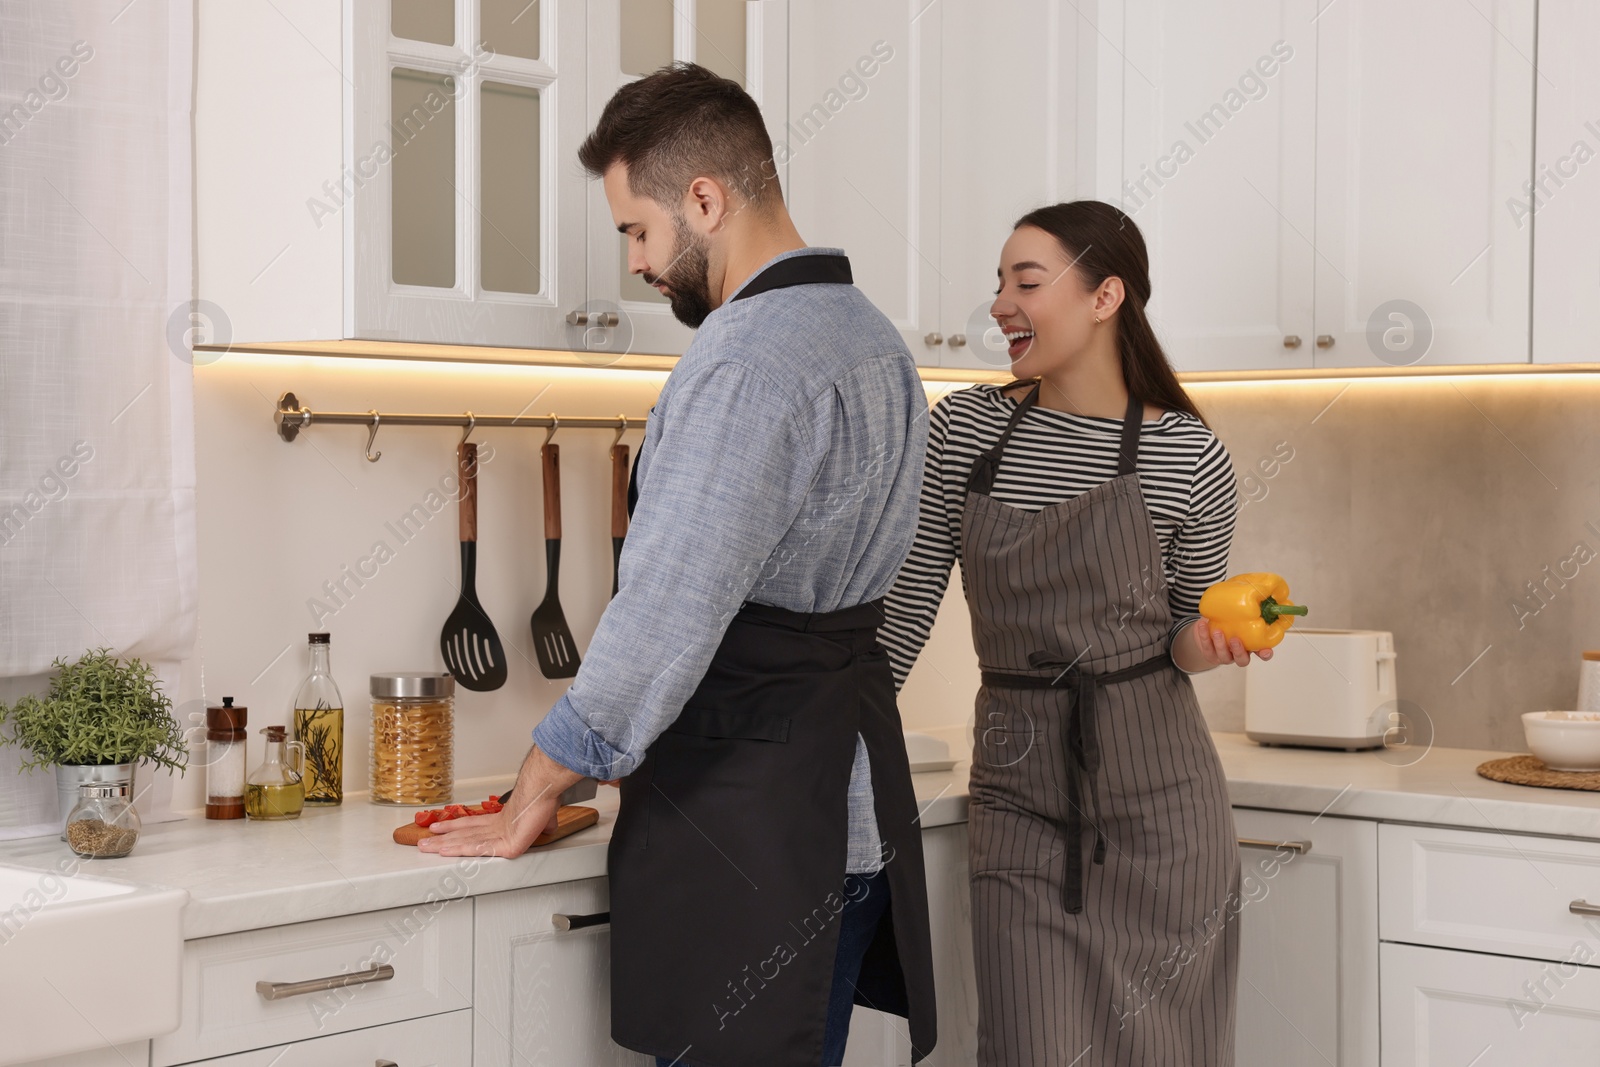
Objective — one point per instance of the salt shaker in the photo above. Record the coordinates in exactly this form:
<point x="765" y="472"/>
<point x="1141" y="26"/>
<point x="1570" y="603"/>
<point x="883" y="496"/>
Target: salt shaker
<point x="1589" y="683"/>
<point x="225" y="766"/>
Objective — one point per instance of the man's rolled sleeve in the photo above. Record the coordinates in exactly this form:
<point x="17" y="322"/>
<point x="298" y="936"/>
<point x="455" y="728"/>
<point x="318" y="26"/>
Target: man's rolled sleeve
<point x="567" y="739"/>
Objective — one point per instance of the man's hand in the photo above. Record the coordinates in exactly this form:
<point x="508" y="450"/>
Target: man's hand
<point x="510" y="831"/>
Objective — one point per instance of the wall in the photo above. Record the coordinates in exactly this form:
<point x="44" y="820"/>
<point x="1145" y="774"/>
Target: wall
<point x="1418" y="506"/>
<point x="1426" y="507"/>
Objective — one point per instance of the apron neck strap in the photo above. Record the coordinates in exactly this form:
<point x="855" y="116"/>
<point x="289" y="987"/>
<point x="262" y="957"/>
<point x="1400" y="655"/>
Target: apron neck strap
<point x="1132" y="424"/>
<point x="987" y="466"/>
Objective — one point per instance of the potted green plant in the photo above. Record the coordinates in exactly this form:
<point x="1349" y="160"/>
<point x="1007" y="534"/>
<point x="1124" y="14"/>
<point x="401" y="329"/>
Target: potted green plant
<point x="99" y="719"/>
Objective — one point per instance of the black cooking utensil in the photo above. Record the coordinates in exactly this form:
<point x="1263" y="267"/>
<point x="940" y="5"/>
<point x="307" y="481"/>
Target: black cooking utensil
<point x="552" y="637"/>
<point x="619" y="511"/>
<point x="469" y="644"/>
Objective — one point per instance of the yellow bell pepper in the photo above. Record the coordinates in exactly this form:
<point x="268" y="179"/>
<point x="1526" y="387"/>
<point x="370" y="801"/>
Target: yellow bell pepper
<point x="1255" y="608"/>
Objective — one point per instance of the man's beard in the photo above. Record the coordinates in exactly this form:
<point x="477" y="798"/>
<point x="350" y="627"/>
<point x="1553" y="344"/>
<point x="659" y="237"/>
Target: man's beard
<point x="688" y="289"/>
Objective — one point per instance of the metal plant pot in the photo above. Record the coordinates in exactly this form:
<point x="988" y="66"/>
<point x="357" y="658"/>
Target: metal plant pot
<point x="70" y="776"/>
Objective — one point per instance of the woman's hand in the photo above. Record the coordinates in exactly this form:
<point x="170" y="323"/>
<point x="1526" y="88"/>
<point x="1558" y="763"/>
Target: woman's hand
<point x="1200" y="647"/>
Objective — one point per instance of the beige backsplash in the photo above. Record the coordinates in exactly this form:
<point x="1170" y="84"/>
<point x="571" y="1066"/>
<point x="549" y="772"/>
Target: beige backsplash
<point x="1420" y="507"/>
<point x="1425" y="507"/>
<point x="1417" y="506"/>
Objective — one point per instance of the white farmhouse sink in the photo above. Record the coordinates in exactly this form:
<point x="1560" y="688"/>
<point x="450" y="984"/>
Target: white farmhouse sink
<point x="85" y="962"/>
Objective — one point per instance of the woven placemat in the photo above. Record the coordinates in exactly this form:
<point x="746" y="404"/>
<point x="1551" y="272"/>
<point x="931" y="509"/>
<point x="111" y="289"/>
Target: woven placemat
<point x="1529" y="770"/>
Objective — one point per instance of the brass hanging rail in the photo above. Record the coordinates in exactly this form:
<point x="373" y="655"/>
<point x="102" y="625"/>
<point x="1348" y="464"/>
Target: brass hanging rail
<point x="291" y="418"/>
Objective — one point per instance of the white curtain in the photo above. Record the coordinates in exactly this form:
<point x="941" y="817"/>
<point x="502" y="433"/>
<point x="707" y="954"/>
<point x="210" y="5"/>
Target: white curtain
<point x="97" y="530"/>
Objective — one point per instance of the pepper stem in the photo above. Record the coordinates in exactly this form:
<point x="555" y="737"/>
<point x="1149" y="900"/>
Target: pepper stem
<point x="1271" y="609"/>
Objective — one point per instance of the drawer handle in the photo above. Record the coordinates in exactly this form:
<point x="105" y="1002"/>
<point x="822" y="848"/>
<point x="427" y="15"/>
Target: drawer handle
<point x="565" y="923"/>
<point x="386" y="1063"/>
<point x="1583" y="907"/>
<point x="1301" y="847"/>
<point x="279" y="990"/>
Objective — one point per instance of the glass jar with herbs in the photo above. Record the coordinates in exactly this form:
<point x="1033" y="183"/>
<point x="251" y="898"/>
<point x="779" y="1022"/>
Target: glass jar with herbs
<point x="104" y="824"/>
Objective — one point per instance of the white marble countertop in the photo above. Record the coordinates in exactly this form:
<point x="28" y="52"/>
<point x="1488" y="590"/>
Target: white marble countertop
<point x="1438" y="786"/>
<point x="340" y="861"/>
<point x="244" y="875"/>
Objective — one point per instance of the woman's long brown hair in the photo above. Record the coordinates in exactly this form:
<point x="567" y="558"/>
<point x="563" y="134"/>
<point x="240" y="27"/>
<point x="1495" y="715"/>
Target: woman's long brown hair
<point x="1102" y="242"/>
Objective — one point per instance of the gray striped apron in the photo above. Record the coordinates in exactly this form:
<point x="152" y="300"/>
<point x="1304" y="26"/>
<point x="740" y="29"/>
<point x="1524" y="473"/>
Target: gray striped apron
<point x="1105" y="870"/>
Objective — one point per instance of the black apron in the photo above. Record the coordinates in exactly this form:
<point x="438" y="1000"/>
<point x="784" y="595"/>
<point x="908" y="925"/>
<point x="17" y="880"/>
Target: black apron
<point x="727" y="862"/>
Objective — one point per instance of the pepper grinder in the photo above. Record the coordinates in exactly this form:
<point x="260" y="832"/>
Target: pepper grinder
<point x="225" y="738"/>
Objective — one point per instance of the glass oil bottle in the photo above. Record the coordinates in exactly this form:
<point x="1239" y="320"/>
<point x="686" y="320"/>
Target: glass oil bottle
<point x="319" y="726"/>
<point x="276" y="789"/>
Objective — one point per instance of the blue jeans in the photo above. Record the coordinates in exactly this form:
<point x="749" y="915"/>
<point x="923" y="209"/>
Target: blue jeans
<point x="863" y="908"/>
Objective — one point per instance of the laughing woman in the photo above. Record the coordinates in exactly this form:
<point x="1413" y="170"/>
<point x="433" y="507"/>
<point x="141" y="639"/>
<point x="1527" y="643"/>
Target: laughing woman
<point x="1090" y="506"/>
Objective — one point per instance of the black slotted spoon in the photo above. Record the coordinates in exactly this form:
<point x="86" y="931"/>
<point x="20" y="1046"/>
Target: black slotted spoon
<point x="469" y="644"/>
<point x="552" y="637"/>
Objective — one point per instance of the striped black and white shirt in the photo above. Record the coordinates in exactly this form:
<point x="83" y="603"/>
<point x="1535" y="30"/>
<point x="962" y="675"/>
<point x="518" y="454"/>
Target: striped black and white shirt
<point x="1184" y="472"/>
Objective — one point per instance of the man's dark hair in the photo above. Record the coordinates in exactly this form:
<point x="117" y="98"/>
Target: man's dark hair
<point x="677" y="124"/>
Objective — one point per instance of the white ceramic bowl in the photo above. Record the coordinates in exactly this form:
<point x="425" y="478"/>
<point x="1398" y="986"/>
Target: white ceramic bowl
<point x="1564" y="740"/>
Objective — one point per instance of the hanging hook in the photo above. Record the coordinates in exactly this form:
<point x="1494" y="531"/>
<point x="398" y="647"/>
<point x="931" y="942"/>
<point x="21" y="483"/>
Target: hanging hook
<point x="555" y="424"/>
<point x="622" y="428"/>
<point x="472" y="424"/>
<point x="372" y="435"/>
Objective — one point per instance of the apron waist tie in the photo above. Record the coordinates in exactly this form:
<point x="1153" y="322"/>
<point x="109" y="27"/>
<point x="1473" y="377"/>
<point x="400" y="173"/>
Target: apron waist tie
<point x="1083" y="749"/>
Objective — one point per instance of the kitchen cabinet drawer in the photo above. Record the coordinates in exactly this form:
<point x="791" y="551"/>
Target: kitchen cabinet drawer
<point x="437" y="1041"/>
<point x="1445" y="1007"/>
<point x="429" y="947"/>
<point x="1488" y="892"/>
<point x="132" y="1054"/>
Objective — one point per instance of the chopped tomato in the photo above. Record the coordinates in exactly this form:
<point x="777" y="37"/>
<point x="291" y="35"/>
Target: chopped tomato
<point x="491" y="806"/>
<point x="429" y="817"/>
<point x="455" y="811"/>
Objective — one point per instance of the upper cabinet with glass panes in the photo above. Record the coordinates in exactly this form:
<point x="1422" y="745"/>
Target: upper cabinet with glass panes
<point x="406" y="170"/>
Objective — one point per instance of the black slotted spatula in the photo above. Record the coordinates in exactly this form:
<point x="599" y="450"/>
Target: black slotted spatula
<point x="469" y="644"/>
<point x="552" y="637"/>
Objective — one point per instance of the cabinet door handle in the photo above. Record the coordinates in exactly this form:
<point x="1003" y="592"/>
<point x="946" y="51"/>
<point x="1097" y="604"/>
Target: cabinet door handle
<point x="934" y="338"/>
<point x="1291" y="340"/>
<point x="1302" y="847"/>
<point x="386" y="1063"/>
<point x="606" y="318"/>
<point x="578" y="922"/>
<point x="1324" y="340"/>
<point x="577" y="318"/>
<point x="957" y="340"/>
<point x="279" y="990"/>
<point x="1583" y="907"/>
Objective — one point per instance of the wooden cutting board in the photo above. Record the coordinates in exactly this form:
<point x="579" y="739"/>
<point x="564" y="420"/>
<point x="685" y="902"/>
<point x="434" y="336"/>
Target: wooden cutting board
<point x="569" y="820"/>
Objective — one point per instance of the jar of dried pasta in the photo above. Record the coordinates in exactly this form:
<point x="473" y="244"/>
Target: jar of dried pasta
<point x="412" y="737"/>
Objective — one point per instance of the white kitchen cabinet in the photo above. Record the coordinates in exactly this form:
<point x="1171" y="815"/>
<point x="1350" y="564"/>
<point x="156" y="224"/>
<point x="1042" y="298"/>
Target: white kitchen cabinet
<point x="1563" y="206"/>
<point x="1424" y="129"/>
<point x="327" y="976"/>
<point x="436" y="1041"/>
<point x="1516" y="895"/>
<point x="1218" y="171"/>
<point x="1445" y="1007"/>
<point x="131" y="1054"/>
<point x="1347" y="209"/>
<point x="401" y="170"/>
<point x="879" y="1040"/>
<point x="918" y="133"/>
<point x="1308" y="941"/>
<point x="542" y="995"/>
<point x="745" y="41"/>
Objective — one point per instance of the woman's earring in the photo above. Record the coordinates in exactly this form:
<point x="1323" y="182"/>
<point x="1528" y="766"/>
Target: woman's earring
<point x="1097" y="319"/>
